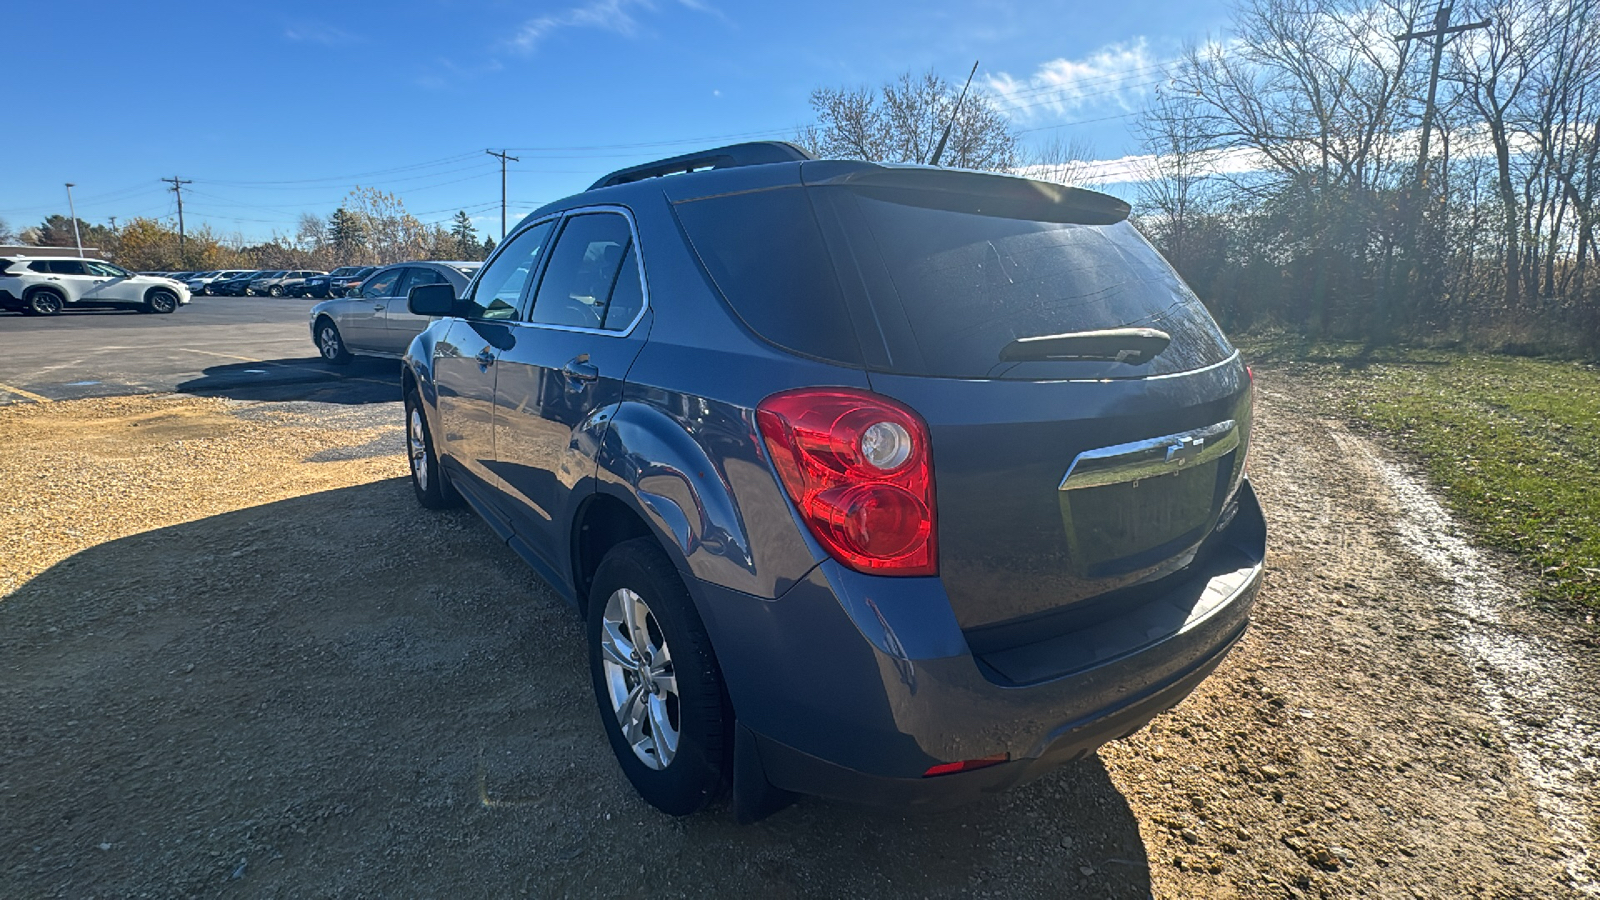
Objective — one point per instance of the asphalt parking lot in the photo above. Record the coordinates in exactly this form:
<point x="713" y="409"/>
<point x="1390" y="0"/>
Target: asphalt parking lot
<point x="241" y="347"/>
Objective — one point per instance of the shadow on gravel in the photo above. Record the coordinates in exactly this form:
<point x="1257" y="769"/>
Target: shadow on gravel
<point x="344" y="694"/>
<point x="364" y="380"/>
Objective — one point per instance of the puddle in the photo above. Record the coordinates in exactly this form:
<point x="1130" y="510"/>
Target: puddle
<point x="1545" y="711"/>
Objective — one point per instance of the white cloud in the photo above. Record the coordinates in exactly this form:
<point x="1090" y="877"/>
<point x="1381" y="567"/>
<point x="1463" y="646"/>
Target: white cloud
<point x="1116" y="74"/>
<point x="320" y="33"/>
<point x="616" y="16"/>
<point x="1138" y="167"/>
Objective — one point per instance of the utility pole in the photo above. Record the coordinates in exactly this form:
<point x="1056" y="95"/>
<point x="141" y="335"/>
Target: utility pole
<point x="177" y="188"/>
<point x="502" y="157"/>
<point x="72" y="211"/>
<point x="1441" y="30"/>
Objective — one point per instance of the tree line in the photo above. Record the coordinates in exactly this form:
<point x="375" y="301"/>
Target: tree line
<point x="369" y="228"/>
<point x="1283" y="177"/>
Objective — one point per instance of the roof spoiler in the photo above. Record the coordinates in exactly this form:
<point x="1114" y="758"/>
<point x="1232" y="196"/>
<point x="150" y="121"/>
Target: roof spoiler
<point x="978" y="193"/>
<point x="754" y="153"/>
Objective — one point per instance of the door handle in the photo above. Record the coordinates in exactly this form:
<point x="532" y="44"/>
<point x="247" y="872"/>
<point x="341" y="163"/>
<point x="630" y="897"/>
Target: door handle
<point x="485" y="357"/>
<point x="377" y="307"/>
<point x="579" y="368"/>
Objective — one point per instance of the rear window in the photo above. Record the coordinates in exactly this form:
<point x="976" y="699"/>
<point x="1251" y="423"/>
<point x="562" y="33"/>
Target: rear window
<point x="970" y="284"/>
<point x="935" y="291"/>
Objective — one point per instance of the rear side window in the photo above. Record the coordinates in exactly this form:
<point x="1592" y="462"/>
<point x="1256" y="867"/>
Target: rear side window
<point x="767" y="258"/>
<point x="68" y="267"/>
<point x="584" y="267"/>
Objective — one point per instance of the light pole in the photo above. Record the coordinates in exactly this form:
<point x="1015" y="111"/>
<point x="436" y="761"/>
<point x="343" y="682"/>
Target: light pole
<point x="74" y="213"/>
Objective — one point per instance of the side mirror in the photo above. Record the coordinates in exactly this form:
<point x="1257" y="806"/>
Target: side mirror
<point x="432" y="300"/>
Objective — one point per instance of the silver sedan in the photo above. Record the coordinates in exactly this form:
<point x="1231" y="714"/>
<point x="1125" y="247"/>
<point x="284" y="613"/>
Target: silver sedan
<point x="373" y="320"/>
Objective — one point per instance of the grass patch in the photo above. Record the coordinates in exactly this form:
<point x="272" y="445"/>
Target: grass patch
<point x="1513" y="442"/>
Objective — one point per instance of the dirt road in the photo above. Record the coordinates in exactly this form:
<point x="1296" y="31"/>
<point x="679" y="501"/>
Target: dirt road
<point x="237" y="660"/>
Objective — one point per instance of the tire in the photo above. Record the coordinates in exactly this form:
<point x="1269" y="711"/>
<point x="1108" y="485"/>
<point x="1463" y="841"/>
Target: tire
<point x="331" y="344"/>
<point x="159" y="301"/>
<point x="275" y="291"/>
<point x="427" y="478"/>
<point x="669" y="698"/>
<point x="46" y="302"/>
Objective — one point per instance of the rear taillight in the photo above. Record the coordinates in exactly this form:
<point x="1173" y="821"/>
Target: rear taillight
<point x="859" y="469"/>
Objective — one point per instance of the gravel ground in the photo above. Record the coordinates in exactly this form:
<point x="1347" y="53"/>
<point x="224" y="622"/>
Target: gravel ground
<point x="236" y="659"/>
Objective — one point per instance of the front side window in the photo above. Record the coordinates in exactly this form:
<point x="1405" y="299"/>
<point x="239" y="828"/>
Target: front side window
<point x="499" y="287"/>
<point x="583" y="270"/>
<point x="381" y="284"/>
<point x="106" y="269"/>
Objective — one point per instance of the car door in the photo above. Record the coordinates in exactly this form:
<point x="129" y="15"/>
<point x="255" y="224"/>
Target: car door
<point x="113" y="284"/>
<point x="400" y="325"/>
<point x="363" y="326"/>
<point x="464" y="369"/>
<point x="567" y="360"/>
<point x="71" y="275"/>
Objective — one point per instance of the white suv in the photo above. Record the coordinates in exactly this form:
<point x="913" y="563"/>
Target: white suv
<point x="44" y="286"/>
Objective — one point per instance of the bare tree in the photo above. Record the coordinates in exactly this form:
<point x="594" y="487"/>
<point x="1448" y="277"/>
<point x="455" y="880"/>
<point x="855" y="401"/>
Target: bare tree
<point x="1063" y="160"/>
<point x="1172" y="193"/>
<point x="902" y="121"/>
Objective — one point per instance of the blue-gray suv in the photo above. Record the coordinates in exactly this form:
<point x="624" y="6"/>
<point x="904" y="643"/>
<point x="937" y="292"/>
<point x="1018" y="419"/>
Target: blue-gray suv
<point x="891" y="484"/>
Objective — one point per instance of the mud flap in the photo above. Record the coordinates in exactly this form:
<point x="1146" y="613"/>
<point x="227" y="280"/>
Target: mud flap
<point x="754" y="797"/>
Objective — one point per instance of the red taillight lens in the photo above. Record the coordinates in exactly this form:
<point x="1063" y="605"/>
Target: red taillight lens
<point x="966" y="765"/>
<point x="858" y="467"/>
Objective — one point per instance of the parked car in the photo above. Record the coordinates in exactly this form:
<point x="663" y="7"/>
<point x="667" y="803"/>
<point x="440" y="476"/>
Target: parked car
<point x="232" y="287"/>
<point x="202" y="282"/>
<point x="317" y="285"/>
<point x="352" y="277"/>
<point x="45" y="286"/>
<point x="892" y="484"/>
<point x="276" y="284"/>
<point x="374" y="320"/>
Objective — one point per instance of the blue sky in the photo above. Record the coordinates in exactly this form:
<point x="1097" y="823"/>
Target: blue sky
<point x="278" y="108"/>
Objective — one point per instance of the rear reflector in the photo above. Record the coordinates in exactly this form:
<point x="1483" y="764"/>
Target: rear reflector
<point x="966" y="765"/>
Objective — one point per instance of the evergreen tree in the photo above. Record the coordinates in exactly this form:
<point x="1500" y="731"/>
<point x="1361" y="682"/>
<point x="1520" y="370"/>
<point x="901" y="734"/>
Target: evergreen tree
<point x="488" y="246"/>
<point x="346" y="234"/>
<point x="466" y="236"/>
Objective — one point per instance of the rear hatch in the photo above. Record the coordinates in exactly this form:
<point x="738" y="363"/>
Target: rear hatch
<point x="1088" y="419"/>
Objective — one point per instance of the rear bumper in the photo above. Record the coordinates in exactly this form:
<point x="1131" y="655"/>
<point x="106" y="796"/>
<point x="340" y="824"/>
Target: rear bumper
<point x="852" y="686"/>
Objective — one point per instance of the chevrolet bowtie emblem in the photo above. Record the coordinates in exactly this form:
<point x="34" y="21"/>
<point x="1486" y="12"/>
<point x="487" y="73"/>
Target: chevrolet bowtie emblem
<point x="1185" y="450"/>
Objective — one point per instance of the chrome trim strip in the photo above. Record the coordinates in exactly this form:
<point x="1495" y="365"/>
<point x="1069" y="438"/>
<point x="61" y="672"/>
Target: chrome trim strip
<point x="1150" y="458"/>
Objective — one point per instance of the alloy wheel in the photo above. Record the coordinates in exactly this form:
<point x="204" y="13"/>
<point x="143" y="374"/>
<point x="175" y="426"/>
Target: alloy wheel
<point x="417" y="438"/>
<point x="328" y="342"/>
<point x="640" y="682"/>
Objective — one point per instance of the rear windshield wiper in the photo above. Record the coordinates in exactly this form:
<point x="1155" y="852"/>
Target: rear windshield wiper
<point x="1135" y="346"/>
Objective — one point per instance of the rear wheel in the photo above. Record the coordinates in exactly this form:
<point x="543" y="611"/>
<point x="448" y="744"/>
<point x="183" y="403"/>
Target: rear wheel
<point x="161" y="301"/>
<point x="656" y="680"/>
<point x="330" y="344"/>
<point x="46" y="302"/>
<point x="275" y="291"/>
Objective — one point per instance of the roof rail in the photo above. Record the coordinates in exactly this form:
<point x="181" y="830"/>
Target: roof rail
<point x="754" y="153"/>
